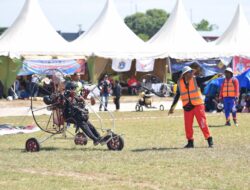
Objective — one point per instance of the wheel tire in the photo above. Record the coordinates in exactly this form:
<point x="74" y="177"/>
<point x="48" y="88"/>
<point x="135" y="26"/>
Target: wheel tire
<point x="141" y="108"/>
<point x="116" y="143"/>
<point x="162" y="107"/>
<point x="32" y="145"/>
<point x="80" y="139"/>
<point x="137" y="107"/>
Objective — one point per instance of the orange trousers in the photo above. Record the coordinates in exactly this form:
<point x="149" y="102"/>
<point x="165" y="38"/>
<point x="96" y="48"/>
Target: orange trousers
<point x="199" y="113"/>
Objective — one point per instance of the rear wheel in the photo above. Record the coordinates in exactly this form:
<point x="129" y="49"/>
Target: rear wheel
<point x="161" y="107"/>
<point x="32" y="145"/>
<point x="116" y="143"/>
<point x="137" y="107"/>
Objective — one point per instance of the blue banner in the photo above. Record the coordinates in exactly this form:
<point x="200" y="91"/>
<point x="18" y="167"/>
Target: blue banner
<point x="30" y="67"/>
<point x="207" y="66"/>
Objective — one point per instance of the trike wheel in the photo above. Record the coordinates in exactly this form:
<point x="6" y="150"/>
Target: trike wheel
<point x="161" y="107"/>
<point x="141" y="108"/>
<point x="116" y="143"/>
<point x="81" y="139"/>
<point x="137" y="107"/>
<point x="32" y="145"/>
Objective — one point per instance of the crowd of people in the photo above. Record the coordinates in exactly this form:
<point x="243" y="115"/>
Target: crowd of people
<point x="27" y="86"/>
<point x="190" y="86"/>
<point x="34" y="86"/>
<point x="31" y="85"/>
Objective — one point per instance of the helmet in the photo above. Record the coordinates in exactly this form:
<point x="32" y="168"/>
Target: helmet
<point x="47" y="100"/>
<point x="220" y="106"/>
<point x="228" y="69"/>
<point x="185" y="70"/>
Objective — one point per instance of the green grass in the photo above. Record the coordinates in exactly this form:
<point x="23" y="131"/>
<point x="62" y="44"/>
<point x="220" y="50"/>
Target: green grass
<point x="153" y="157"/>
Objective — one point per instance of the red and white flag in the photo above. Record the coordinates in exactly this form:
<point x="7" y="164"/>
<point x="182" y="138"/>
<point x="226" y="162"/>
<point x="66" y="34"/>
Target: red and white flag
<point x="145" y="65"/>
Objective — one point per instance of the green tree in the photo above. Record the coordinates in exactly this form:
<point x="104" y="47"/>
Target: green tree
<point x="204" y="25"/>
<point x="145" y="25"/>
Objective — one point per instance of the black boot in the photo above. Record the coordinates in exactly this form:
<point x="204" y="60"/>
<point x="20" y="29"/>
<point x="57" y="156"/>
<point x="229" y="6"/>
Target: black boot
<point x="210" y="142"/>
<point x="228" y="123"/>
<point x="190" y="144"/>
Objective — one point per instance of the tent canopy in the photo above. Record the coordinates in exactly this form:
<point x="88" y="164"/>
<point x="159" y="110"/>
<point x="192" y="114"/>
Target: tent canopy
<point x="235" y="41"/>
<point x="178" y="38"/>
<point x="32" y="34"/>
<point x="109" y="37"/>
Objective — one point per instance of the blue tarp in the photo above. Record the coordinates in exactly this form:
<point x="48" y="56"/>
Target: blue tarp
<point x="208" y="66"/>
<point x="244" y="79"/>
<point x="213" y="86"/>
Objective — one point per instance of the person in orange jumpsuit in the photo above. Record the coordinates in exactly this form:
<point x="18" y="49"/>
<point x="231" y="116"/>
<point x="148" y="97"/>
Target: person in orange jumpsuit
<point x="193" y="105"/>
<point x="229" y="93"/>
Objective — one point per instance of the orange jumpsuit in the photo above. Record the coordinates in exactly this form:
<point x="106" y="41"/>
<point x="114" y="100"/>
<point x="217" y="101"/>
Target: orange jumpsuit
<point x="191" y="97"/>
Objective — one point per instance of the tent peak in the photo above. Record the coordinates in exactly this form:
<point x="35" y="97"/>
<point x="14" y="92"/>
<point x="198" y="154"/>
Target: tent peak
<point x="178" y="37"/>
<point x="238" y="28"/>
<point x="32" y="34"/>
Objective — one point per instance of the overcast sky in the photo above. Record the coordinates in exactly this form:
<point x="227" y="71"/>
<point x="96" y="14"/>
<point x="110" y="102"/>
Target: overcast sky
<point x="66" y="15"/>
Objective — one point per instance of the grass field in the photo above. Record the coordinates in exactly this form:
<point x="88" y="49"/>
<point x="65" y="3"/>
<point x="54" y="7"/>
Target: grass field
<point x="153" y="157"/>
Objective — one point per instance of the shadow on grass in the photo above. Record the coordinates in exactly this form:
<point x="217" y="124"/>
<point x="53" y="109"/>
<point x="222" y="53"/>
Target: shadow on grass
<point x="155" y="149"/>
<point x="218" y="126"/>
<point x="44" y="149"/>
<point x="212" y="126"/>
<point x="73" y="149"/>
<point x="165" y="149"/>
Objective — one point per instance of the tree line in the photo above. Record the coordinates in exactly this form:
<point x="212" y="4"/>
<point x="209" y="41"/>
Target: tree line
<point x="145" y="25"/>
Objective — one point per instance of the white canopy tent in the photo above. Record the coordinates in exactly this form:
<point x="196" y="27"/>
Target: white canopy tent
<point x="236" y="39"/>
<point x="32" y="34"/>
<point x="179" y="39"/>
<point x="109" y="37"/>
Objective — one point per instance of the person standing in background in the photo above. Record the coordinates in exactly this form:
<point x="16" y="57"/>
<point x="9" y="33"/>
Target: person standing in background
<point x="104" y="87"/>
<point x="117" y="94"/>
<point x="132" y="85"/>
<point x="76" y="78"/>
<point x="229" y="94"/>
<point x="34" y="87"/>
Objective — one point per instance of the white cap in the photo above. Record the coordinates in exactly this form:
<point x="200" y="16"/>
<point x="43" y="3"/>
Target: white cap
<point x="185" y="70"/>
<point x="229" y="70"/>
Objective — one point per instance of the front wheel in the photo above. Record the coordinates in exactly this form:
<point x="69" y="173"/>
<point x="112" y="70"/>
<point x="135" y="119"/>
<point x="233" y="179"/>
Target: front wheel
<point x="116" y="143"/>
<point x="81" y="139"/>
<point x="161" y="107"/>
<point x="137" y="107"/>
<point x="141" y="108"/>
<point x="32" y="145"/>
